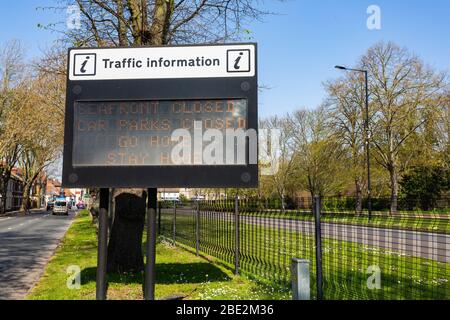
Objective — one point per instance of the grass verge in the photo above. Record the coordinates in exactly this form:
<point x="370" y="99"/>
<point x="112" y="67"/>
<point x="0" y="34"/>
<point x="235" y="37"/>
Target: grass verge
<point x="266" y="250"/>
<point x="178" y="273"/>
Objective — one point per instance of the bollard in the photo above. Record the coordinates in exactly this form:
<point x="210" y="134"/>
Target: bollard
<point x="301" y="286"/>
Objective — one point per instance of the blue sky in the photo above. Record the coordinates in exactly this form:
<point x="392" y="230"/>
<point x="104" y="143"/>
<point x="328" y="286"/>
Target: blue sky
<point x="299" y="46"/>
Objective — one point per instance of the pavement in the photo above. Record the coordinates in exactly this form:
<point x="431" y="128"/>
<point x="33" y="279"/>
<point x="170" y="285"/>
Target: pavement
<point x="27" y="242"/>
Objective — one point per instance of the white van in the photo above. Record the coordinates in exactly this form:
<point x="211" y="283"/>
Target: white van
<point x="61" y="207"/>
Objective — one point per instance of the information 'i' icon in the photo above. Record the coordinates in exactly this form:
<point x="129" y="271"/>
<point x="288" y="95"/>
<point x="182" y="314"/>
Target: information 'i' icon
<point x="83" y="65"/>
<point x="236" y="62"/>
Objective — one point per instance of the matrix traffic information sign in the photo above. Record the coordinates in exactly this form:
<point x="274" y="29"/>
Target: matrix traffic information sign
<point x="173" y="116"/>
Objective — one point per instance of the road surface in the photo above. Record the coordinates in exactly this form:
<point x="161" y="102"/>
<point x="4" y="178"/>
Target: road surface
<point x="26" y="244"/>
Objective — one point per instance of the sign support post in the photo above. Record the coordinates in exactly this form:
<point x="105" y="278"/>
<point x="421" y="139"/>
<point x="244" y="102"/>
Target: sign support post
<point x="102" y="244"/>
<point x="149" y="287"/>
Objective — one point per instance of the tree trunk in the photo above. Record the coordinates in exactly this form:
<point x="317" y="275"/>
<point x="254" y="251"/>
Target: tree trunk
<point x="6" y="176"/>
<point x="25" y="205"/>
<point x="4" y="195"/>
<point x="394" y="189"/>
<point x="125" y="244"/>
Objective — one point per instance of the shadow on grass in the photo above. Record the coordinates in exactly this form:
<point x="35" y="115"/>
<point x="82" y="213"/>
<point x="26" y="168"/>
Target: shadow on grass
<point x="166" y="273"/>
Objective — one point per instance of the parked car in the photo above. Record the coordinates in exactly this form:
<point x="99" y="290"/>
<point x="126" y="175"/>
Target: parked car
<point x="50" y="205"/>
<point x="81" y="205"/>
<point x="61" y="207"/>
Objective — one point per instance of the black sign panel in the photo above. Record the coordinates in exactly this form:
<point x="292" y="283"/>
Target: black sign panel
<point x="164" y="132"/>
<point x="140" y="133"/>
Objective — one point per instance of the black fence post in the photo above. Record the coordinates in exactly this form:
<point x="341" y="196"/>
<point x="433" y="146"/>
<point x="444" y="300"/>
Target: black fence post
<point x="236" y="235"/>
<point x="150" y="274"/>
<point x="174" y="220"/>
<point x="197" y="229"/>
<point x="100" y="292"/>
<point x="318" y="234"/>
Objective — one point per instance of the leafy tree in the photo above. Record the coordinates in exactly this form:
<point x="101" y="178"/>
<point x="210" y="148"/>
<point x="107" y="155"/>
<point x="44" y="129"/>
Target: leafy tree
<point x="184" y="199"/>
<point x="424" y="185"/>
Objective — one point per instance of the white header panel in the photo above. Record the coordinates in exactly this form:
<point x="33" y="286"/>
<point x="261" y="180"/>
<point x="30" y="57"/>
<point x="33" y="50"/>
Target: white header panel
<point x="214" y="61"/>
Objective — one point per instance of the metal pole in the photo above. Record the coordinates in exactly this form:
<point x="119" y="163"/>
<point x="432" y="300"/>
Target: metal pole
<point x="301" y="287"/>
<point x="369" y="187"/>
<point x="100" y="292"/>
<point x="236" y="235"/>
<point x="174" y="220"/>
<point x="150" y="274"/>
<point x="159" y="219"/>
<point x="197" y="229"/>
<point x="318" y="234"/>
<point x="110" y="209"/>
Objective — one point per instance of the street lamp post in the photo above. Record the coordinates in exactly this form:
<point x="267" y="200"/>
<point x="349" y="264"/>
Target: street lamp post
<point x="366" y="127"/>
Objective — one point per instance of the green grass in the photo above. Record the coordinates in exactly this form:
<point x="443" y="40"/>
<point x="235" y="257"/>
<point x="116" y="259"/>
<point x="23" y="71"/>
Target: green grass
<point x="399" y="222"/>
<point x="379" y="220"/>
<point x="266" y="252"/>
<point x="178" y="272"/>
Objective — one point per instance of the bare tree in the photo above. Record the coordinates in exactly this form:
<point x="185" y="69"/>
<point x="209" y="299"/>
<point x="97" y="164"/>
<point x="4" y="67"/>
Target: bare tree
<point x="158" y="22"/>
<point x="11" y="73"/>
<point x="346" y="100"/>
<point x="317" y="152"/>
<point x="152" y="22"/>
<point x="401" y="88"/>
<point x="280" y="160"/>
<point x="39" y="134"/>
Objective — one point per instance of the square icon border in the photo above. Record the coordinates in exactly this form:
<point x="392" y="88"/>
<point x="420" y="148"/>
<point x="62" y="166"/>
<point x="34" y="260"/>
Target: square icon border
<point x="75" y="64"/>
<point x="249" y="61"/>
